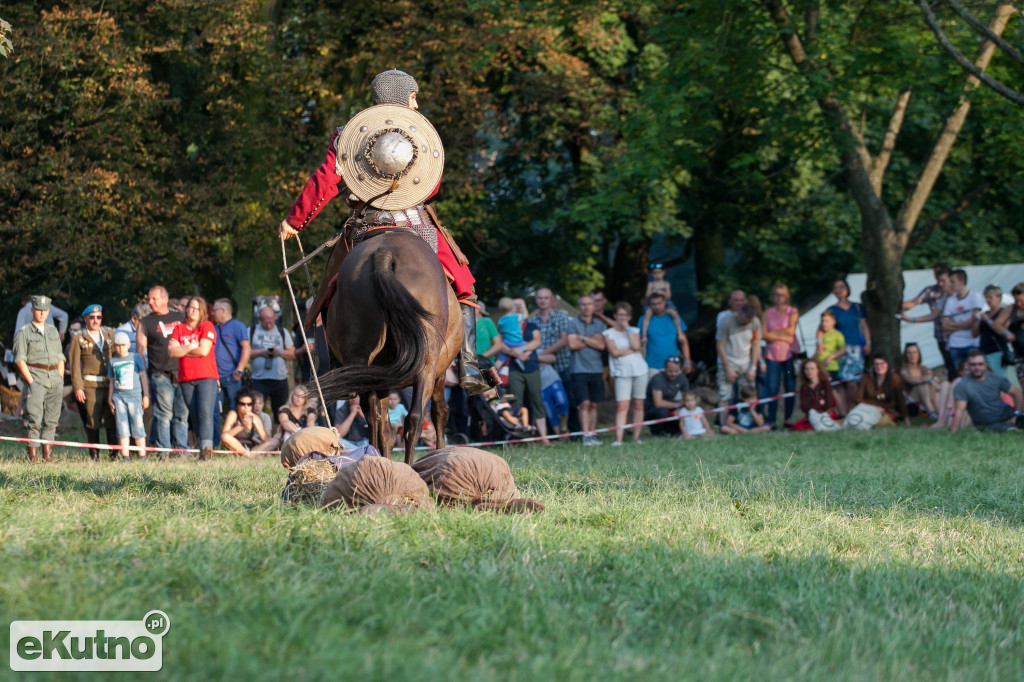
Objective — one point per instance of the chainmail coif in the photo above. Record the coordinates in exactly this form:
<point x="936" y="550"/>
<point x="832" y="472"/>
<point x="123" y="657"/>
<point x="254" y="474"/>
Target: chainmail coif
<point x="393" y="87"/>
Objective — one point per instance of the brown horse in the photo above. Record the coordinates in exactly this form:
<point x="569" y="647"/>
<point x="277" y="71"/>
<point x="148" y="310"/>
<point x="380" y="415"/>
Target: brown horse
<point x="394" y="322"/>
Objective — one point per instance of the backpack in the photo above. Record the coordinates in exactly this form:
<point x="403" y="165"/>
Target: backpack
<point x="280" y="330"/>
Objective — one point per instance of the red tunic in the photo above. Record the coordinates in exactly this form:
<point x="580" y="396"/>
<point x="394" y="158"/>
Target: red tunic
<point x="324" y="185"/>
<point x="195" y="368"/>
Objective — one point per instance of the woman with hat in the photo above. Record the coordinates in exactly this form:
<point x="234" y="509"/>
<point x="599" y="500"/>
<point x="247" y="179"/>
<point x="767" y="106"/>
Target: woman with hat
<point x="88" y="358"/>
<point x="395" y="88"/>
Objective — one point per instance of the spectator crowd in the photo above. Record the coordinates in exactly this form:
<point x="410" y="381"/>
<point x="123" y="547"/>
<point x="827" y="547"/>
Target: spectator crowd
<point x="184" y="373"/>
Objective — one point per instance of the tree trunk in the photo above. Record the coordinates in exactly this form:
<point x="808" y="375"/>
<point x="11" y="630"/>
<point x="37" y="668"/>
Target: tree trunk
<point x="885" y="239"/>
<point x="708" y="252"/>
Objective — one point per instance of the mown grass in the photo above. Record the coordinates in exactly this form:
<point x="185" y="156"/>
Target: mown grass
<point x="895" y="554"/>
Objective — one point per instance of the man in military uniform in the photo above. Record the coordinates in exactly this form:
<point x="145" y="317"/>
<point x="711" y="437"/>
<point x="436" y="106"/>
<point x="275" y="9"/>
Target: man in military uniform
<point x="40" y="359"/>
<point x="88" y="358"/>
<point x="395" y="88"/>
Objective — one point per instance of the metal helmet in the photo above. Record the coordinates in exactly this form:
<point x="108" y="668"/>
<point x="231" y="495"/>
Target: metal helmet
<point x="393" y="87"/>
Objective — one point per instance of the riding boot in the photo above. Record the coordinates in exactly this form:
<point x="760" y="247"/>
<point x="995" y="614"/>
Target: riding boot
<point x="47" y="452"/>
<point x="470" y="377"/>
<point x="33" y="453"/>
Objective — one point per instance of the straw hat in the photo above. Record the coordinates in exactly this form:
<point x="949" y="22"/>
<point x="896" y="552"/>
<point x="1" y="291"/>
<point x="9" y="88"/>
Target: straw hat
<point x="390" y="146"/>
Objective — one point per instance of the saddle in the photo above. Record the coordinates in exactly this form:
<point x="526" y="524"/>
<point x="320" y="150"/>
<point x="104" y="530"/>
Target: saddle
<point x="355" y="232"/>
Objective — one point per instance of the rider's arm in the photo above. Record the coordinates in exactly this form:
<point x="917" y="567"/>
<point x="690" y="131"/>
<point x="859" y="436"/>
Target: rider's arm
<point x="321" y="187"/>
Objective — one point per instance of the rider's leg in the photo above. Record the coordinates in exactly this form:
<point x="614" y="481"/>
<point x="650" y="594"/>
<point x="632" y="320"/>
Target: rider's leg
<point x="470" y="377"/>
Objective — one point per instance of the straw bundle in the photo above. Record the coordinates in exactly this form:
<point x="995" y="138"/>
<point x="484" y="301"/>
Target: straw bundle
<point x="308" y="481"/>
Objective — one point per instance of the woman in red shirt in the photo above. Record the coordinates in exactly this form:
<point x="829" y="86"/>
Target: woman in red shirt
<point x="192" y="343"/>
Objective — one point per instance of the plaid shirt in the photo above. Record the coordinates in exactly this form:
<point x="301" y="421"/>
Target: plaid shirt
<point x="550" y="332"/>
<point x="934" y="298"/>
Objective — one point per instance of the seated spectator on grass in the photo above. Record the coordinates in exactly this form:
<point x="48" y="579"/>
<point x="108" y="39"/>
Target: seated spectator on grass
<point x="980" y="394"/>
<point x="919" y="382"/>
<point x="665" y="396"/>
<point x="743" y="418"/>
<point x="693" y="423"/>
<point x="428" y="436"/>
<point x="947" y="403"/>
<point x="880" y="401"/>
<point x="258" y="403"/>
<point x="299" y="413"/>
<point x="397" y="413"/>
<point x="351" y="424"/>
<point x="243" y="431"/>
<point x="815" y="393"/>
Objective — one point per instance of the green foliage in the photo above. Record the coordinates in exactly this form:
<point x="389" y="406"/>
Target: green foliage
<point x="164" y="141"/>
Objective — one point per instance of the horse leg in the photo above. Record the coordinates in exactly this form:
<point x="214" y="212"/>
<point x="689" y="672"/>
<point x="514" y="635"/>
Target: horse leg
<point x="386" y="435"/>
<point x="418" y="409"/>
<point x="371" y="410"/>
<point x="439" y="412"/>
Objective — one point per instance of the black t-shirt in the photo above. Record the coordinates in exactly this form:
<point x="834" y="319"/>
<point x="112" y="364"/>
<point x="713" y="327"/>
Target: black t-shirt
<point x="669" y="389"/>
<point x="1016" y="325"/>
<point x="359" y="428"/>
<point x="158" y="329"/>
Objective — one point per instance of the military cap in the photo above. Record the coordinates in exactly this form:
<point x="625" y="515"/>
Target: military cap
<point x="94" y="308"/>
<point x="40" y="302"/>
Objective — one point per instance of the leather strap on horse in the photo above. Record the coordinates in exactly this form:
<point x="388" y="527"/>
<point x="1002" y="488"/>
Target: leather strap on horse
<point x="459" y="256"/>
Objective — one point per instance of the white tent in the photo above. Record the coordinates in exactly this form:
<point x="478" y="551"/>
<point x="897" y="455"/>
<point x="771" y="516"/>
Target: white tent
<point x="978" y="277"/>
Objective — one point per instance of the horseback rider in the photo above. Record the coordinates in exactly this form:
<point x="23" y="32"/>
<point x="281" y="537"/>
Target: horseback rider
<point x="394" y="88"/>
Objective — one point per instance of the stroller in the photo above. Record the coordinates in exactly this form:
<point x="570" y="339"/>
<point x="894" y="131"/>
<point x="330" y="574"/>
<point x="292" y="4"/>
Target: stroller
<point x="490" y="413"/>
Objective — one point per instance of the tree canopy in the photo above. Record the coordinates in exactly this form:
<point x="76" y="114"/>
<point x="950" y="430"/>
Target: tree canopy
<point x="161" y="142"/>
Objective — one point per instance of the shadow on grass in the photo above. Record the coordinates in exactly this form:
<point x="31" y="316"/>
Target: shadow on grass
<point x="96" y="486"/>
<point x="569" y="609"/>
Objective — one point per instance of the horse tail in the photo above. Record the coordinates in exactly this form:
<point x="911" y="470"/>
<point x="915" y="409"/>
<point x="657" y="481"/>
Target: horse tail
<point x="407" y="328"/>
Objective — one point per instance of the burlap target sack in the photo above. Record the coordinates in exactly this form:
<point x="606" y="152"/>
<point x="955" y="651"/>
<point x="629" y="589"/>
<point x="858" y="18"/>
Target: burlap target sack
<point x="310" y="476"/>
<point x="377" y="481"/>
<point x="304" y="441"/>
<point x="465" y="474"/>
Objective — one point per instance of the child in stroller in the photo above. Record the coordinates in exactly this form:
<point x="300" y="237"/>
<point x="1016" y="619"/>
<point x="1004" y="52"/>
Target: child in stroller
<point x="496" y="418"/>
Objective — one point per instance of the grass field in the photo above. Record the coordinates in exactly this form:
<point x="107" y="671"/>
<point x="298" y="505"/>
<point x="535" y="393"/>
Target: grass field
<point x="895" y="554"/>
